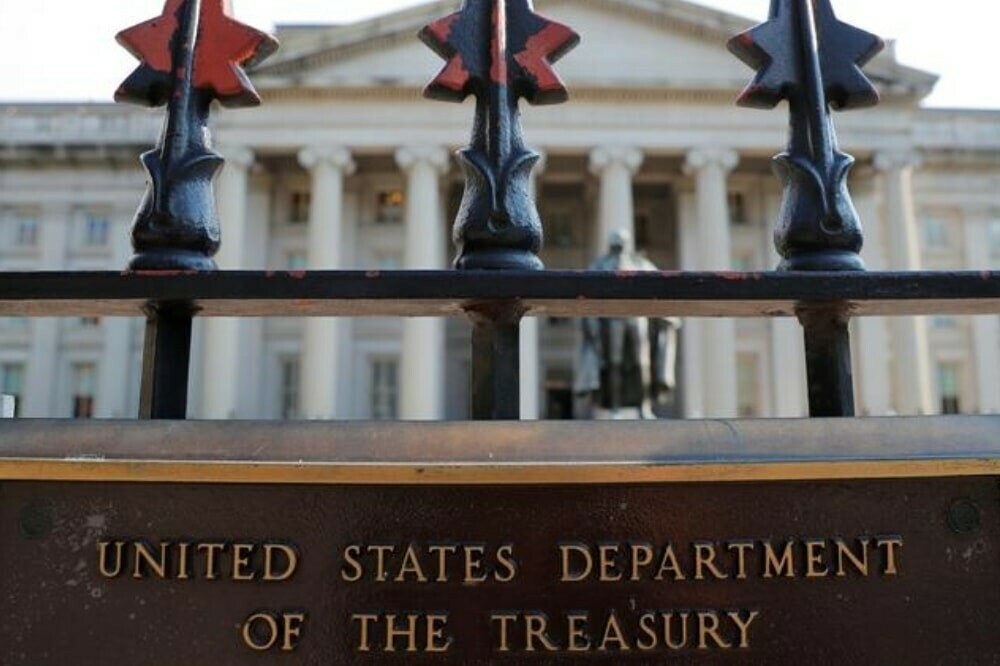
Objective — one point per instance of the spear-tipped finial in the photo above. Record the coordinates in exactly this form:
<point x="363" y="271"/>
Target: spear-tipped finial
<point x="807" y="56"/>
<point x="190" y="55"/>
<point x="500" y="51"/>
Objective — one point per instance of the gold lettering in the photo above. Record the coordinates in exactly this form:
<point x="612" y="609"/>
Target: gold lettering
<point x="775" y="566"/>
<point x="890" y="546"/>
<point x="351" y="554"/>
<point x="668" y="621"/>
<point x="741" y="548"/>
<point x="442" y="553"/>
<point x="815" y="550"/>
<point x="708" y="627"/>
<point x="380" y="552"/>
<point x="436" y="641"/>
<point x="577" y="631"/>
<point x="409" y="632"/>
<point x="291" y="557"/>
<point x="293" y="630"/>
<point x="182" y="561"/>
<point x="504" y="619"/>
<point x="743" y="626"/>
<point x="613" y="632"/>
<point x="704" y="558"/>
<point x="474" y="564"/>
<point x="647" y="625"/>
<point x="364" y="620"/>
<point x="144" y="553"/>
<point x="606" y="557"/>
<point x="102" y="558"/>
<point x="411" y="565"/>
<point x="505" y="559"/>
<point x="250" y="637"/>
<point x="536" y="627"/>
<point x="580" y="575"/>
<point x="669" y="563"/>
<point x="859" y="562"/>
<point x="642" y="556"/>
<point x="211" y="551"/>
<point x="241" y="562"/>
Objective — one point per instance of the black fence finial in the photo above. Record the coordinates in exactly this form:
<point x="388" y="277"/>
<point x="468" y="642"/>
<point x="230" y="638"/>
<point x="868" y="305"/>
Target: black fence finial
<point x="192" y="54"/>
<point x="499" y="51"/>
<point x="807" y="56"/>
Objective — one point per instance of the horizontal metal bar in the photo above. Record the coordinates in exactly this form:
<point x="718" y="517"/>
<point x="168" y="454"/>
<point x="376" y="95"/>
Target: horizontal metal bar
<point x="499" y="452"/>
<point x="546" y="293"/>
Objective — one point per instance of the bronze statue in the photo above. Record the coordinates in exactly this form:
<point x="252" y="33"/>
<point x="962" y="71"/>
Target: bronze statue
<point x="625" y="365"/>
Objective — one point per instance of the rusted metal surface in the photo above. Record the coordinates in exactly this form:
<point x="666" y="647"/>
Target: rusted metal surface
<point x="448" y="293"/>
<point x="499" y="51"/>
<point x="932" y="603"/>
<point x="803" y="54"/>
<point x="190" y="55"/>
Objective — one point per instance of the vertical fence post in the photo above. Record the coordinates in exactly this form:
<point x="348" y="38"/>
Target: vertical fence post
<point x="500" y="51"/>
<point x="804" y="55"/>
<point x="828" y="360"/>
<point x="166" y="361"/>
<point x="176" y="227"/>
<point x="496" y="368"/>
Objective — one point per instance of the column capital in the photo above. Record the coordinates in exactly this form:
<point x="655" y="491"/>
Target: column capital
<point x="703" y="158"/>
<point x="239" y="157"/>
<point x="337" y="157"/>
<point x="897" y="159"/>
<point x="434" y="156"/>
<point x="605" y="156"/>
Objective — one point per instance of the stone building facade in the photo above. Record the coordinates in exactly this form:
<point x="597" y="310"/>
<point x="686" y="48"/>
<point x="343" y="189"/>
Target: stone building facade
<point x="347" y="167"/>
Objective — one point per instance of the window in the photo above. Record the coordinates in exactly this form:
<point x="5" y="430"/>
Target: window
<point x="948" y="388"/>
<point x="12" y="383"/>
<point x="84" y="385"/>
<point x="301" y="206"/>
<point x="737" y="208"/>
<point x="289" y="398"/>
<point x="296" y="261"/>
<point x="95" y="229"/>
<point x="388" y="261"/>
<point x="89" y="322"/>
<point x="937" y="233"/>
<point x="384" y="398"/>
<point x="995" y="236"/>
<point x="25" y="228"/>
<point x="944" y="322"/>
<point x="389" y="207"/>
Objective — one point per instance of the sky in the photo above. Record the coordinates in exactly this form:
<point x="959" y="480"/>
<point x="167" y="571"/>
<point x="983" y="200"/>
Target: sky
<point x="78" y="59"/>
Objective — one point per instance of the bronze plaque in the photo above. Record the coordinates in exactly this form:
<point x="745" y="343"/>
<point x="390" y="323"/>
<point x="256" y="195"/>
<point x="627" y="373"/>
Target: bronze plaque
<point x="854" y="572"/>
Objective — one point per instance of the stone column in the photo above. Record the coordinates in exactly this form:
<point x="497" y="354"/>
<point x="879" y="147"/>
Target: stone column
<point x="691" y="385"/>
<point x="42" y="381"/>
<point x="221" y="378"/>
<point x="873" y="380"/>
<point x="911" y="351"/>
<point x="615" y="166"/>
<point x="321" y="344"/>
<point x="116" y="359"/>
<point x="530" y="356"/>
<point x="423" y="358"/>
<point x="710" y="168"/>
<point x="985" y="328"/>
<point x="789" y="390"/>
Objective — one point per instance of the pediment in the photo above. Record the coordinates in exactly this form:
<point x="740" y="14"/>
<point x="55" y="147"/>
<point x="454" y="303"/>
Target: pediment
<point x="625" y="44"/>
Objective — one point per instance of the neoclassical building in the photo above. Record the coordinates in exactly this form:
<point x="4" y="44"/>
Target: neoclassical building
<point x="346" y="166"/>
